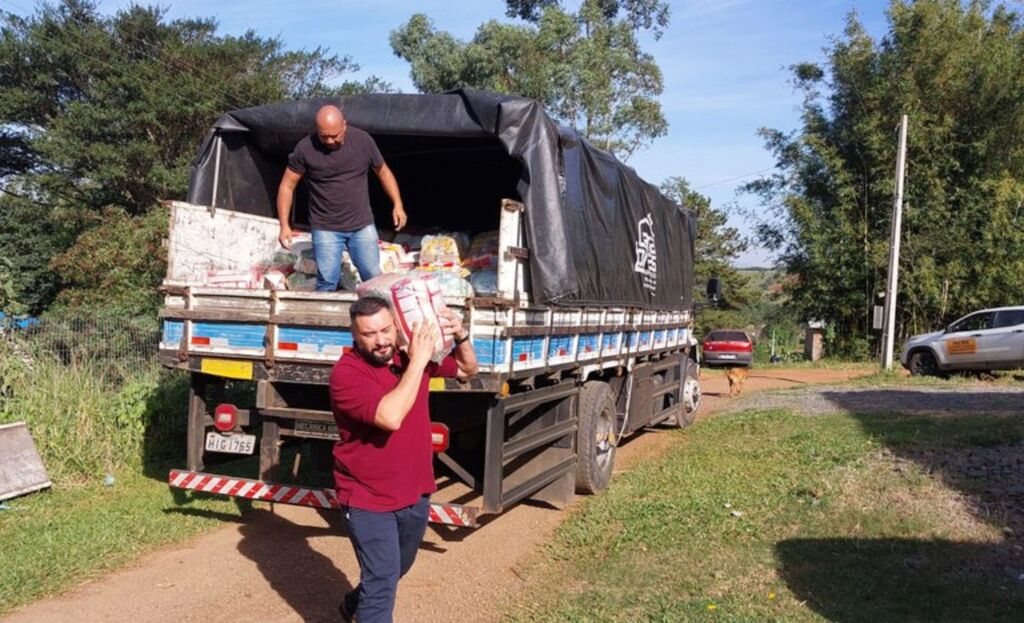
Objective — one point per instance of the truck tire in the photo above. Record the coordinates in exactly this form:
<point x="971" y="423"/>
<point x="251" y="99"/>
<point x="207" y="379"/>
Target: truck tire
<point x="922" y="363"/>
<point x="595" y="437"/>
<point x="690" y="393"/>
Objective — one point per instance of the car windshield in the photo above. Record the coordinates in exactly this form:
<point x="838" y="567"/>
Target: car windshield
<point x="727" y="336"/>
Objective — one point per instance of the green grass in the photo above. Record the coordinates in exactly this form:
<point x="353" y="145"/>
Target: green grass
<point x="54" y="540"/>
<point x="828" y="363"/>
<point x="90" y="417"/>
<point x="768" y="515"/>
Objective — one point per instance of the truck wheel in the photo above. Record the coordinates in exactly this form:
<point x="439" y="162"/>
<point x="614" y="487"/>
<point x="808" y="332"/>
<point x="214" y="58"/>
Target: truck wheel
<point x="595" y="437"/>
<point x="922" y="363"/>
<point x="687" y="412"/>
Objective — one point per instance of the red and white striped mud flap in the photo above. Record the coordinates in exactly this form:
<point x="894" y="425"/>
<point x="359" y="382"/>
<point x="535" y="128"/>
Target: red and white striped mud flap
<point x="448" y="514"/>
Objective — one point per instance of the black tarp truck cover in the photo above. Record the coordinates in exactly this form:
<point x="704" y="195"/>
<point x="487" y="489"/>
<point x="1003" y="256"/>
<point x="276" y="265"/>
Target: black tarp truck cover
<point x="597" y="233"/>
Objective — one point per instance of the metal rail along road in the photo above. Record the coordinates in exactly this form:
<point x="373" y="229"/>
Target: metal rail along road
<point x="586" y="338"/>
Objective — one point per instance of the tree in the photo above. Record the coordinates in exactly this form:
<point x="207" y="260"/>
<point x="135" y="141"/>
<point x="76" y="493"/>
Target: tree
<point x="642" y="14"/>
<point x="117" y="267"/>
<point x="587" y="68"/>
<point x="31" y="234"/>
<point x="101" y="113"/>
<point x="717" y="247"/>
<point x="956" y="69"/>
<point x="8" y="293"/>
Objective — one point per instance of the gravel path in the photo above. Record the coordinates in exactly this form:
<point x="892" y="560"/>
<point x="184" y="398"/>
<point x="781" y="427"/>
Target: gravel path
<point x="830" y="399"/>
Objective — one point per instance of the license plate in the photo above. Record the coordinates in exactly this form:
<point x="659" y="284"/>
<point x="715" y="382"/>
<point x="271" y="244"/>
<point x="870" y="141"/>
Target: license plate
<point x="728" y="356"/>
<point x="233" y="444"/>
<point x="316" y="430"/>
<point x="227" y="368"/>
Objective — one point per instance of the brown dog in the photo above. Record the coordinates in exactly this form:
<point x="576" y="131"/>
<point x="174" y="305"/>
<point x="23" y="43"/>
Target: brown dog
<point x="736" y="377"/>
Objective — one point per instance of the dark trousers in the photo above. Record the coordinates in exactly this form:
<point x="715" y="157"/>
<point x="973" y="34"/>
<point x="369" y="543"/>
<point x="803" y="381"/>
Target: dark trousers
<point x="385" y="545"/>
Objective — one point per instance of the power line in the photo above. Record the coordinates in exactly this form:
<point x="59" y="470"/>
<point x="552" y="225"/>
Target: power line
<point x="733" y="179"/>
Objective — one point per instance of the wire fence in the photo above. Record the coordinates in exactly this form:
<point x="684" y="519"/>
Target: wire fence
<point x="116" y="343"/>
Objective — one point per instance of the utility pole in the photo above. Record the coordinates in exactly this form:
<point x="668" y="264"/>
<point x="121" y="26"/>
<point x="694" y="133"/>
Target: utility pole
<point x="889" y="332"/>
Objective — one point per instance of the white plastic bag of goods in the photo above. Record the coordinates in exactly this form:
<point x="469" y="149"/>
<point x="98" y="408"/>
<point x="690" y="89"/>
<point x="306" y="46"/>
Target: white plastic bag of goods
<point x="453" y="284"/>
<point x="444" y="250"/>
<point x="415" y="298"/>
<point x="483" y="251"/>
<point x="484" y="282"/>
<point x="350" y="279"/>
<point x="392" y="257"/>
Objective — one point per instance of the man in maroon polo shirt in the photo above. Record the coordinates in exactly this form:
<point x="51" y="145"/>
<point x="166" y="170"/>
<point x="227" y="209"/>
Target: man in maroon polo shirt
<point x="383" y="460"/>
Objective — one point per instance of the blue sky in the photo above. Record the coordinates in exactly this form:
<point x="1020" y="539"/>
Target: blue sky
<point x="724" y="63"/>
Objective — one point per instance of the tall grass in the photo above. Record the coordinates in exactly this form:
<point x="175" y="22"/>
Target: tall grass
<point x="96" y="403"/>
<point x="91" y="410"/>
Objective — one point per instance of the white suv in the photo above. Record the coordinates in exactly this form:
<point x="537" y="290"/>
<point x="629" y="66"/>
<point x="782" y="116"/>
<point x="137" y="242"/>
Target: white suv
<point x="990" y="339"/>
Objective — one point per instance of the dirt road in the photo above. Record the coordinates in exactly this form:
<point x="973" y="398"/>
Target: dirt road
<point x="292" y="564"/>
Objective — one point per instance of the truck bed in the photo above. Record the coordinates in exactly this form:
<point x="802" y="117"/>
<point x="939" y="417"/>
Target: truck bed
<point x="289" y="335"/>
<point x="208" y="327"/>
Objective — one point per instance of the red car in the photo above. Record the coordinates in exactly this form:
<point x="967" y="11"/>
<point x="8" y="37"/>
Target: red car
<point x="726" y="347"/>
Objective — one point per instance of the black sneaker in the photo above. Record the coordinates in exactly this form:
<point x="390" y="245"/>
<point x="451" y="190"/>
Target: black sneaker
<point x="343" y="610"/>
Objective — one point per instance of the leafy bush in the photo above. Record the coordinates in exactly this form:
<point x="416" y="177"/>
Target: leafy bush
<point x="117" y="266"/>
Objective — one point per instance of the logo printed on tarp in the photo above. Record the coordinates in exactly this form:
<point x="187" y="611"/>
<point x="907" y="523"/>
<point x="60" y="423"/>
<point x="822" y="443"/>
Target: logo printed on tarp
<point x="646" y="257"/>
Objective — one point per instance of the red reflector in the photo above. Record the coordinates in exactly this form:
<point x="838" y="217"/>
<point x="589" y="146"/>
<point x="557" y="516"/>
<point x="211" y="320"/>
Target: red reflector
<point x="225" y="418"/>
<point x="204" y="341"/>
<point x="439" y="436"/>
<point x="287" y="346"/>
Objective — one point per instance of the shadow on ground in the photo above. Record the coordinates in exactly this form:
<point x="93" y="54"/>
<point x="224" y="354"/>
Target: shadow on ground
<point x="973" y="442"/>
<point x="307" y="580"/>
<point x="849" y="580"/>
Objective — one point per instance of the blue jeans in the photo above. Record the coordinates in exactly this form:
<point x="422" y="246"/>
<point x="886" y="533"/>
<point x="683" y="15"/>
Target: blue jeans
<point x="385" y="545"/>
<point x="328" y="247"/>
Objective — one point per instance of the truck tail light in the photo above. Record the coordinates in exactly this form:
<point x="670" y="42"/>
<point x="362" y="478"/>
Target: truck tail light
<point x="439" y="436"/>
<point x="225" y="418"/>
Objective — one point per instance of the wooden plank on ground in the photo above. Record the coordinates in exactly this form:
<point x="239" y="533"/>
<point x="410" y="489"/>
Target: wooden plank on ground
<point x="21" y="469"/>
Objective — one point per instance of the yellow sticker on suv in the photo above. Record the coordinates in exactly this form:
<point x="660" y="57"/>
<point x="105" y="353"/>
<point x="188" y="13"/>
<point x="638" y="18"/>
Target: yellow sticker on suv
<point x="967" y="346"/>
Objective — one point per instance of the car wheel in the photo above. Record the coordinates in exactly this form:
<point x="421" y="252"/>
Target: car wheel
<point x="922" y="363"/>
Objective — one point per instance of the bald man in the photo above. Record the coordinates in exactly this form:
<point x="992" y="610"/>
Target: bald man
<point x="335" y="162"/>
